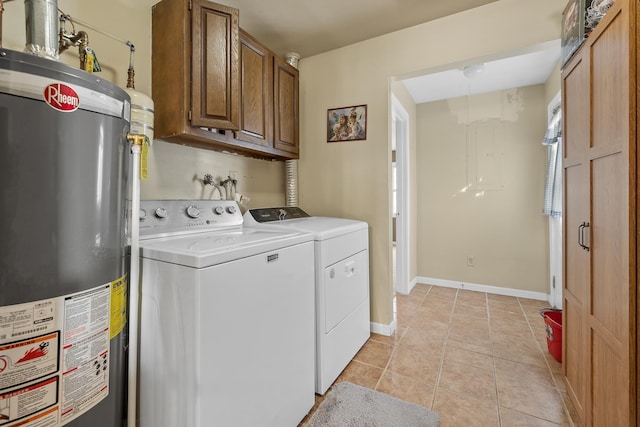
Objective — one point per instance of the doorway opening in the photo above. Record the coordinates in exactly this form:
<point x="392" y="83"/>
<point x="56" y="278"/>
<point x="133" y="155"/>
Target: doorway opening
<point x="400" y="196"/>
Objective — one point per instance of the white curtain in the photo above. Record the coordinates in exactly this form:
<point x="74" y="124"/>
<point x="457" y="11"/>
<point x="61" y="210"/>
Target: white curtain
<point x="553" y="187"/>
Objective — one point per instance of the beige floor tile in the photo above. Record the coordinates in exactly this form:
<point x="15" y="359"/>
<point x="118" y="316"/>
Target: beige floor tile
<point x="479" y="299"/>
<point x="462" y="332"/>
<point x="501" y="298"/>
<point x="527" y="374"/>
<point x="361" y="374"/>
<point x="441" y="292"/>
<point x="483" y="347"/>
<point x="410" y="389"/>
<point x="470" y="310"/>
<point x="426" y="340"/>
<point x="456" y="410"/>
<point x="459" y="321"/>
<point x="467" y="357"/>
<point x="389" y="340"/>
<point x="516" y="329"/>
<point x="417" y="364"/>
<point x="444" y="307"/>
<point x="513" y="306"/>
<point x="375" y="353"/>
<point x="510" y="418"/>
<point x="534" y="303"/>
<point x="531" y="398"/>
<point x="525" y="351"/>
<point x="430" y="320"/>
<point x="468" y="380"/>
<point x="507" y="316"/>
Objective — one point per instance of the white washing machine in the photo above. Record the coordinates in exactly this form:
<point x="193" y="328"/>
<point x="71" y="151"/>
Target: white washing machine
<point x="227" y="320"/>
<point x="342" y="283"/>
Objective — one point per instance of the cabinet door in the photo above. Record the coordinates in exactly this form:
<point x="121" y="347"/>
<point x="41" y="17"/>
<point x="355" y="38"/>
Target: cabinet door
<point x="612" y="294"/>
<point x="285" y="108"/>
<point x="576" y="214"/>
<point x="256" y="88"/>
<point x="215" y="93"/>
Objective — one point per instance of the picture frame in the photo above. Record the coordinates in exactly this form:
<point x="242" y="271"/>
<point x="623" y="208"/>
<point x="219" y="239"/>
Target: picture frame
<point x="573" y="20"/>
<point x="347" y="123"/>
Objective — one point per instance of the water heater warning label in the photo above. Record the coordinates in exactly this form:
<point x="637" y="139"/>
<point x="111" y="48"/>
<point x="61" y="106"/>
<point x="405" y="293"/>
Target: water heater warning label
<point x="54" y="356"/>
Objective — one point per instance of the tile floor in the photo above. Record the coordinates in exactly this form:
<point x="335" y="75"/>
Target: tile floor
<point x="476" y="359"/>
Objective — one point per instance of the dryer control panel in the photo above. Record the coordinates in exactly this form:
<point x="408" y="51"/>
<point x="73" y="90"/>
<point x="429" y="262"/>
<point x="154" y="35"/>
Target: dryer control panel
<point x="277" y="214"/>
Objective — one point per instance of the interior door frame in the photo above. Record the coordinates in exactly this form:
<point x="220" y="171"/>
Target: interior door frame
<point x="400" y="119"/>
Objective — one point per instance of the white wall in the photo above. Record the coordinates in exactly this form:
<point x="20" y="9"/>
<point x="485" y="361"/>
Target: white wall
<point x="480" y="194"/>
<point x="352" y="179"/>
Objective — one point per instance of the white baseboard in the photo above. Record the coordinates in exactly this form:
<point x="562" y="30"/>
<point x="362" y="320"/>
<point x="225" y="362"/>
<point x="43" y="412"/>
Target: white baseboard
<point x="382" y="329"/>
<point x="540" y="296"/>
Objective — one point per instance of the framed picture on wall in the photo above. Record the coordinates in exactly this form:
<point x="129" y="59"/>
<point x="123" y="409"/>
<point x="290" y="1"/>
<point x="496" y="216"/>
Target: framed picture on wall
<point x="347" y="123"/>
<point x="572" y="28"/>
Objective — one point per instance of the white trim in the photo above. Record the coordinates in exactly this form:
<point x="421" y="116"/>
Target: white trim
<point x="400" y="119"/>
<point x="382" y="329"/>
<point x="498" y="290"/>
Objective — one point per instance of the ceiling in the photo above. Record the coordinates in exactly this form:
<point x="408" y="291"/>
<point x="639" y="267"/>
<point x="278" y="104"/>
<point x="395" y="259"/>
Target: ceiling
<point x="524" y="69"/>
<point x="310" y="27"/>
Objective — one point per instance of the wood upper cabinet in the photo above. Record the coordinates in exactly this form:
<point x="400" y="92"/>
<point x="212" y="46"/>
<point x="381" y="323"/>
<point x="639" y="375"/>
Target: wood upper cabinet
<point x="215" y="72"/>
<point x="285" y="106"/>
<point x="195" y="74"/>
<point x="600" y="110"/>
<point x="269" y="100"/>
<point x="216" y="87"/>
<point x="256" y="125"/>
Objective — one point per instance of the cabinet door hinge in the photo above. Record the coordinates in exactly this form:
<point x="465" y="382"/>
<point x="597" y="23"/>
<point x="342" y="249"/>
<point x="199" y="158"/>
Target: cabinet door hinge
<point x="189" y="115"/>
<point x="190" y="4"/>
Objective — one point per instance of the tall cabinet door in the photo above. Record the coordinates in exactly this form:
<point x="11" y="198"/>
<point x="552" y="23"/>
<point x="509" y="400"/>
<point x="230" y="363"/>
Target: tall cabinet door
<point x="612" y="293"/>
<point x="576" y="215"/>
<point x="599" y="91"/>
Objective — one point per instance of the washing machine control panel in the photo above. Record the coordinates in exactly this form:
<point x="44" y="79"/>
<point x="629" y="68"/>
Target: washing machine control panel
<point x="163" y="217"/>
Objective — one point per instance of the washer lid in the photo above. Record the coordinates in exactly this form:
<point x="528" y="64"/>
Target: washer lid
<point x="206" y="249"/>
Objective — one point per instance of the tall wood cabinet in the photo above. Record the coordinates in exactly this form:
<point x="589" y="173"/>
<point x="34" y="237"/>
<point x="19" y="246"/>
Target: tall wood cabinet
<point x="216" y="87"/>
<point x="600" y="111"/>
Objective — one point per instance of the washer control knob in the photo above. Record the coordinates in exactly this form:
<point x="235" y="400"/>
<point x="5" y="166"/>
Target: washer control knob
<point x="219" y="210"/>
<point x="231" y="209"/>
<point x="160" y="213"/>
<point x="193" y="212"/>
<point x="142" y="215"/>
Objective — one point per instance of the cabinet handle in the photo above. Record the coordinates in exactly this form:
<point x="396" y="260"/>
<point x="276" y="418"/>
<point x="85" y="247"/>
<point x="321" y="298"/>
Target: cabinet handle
<point x="581" y="228"/>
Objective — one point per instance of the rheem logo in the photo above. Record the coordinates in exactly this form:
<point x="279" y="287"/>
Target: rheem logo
<point x="61" y="97"/>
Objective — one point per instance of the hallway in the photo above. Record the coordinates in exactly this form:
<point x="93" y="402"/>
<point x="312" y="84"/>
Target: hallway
<point x="477" y="359"/>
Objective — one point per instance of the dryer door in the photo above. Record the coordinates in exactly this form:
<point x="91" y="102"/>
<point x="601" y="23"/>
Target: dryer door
<point x="346" y="286"/>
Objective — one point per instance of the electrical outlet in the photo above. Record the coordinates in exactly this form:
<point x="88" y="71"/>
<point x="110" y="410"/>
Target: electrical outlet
<point x="471" y="261"/>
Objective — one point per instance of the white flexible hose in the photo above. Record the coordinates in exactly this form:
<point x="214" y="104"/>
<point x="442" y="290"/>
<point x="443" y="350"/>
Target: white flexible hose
<point x="134" y="290"/>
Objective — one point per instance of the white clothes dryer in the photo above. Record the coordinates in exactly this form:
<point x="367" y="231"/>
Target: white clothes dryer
<point x="341" y="283"/>
<point x="227" y="320"/>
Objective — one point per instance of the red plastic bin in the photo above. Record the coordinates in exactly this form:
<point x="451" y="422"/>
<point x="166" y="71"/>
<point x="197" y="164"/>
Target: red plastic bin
<point x="553" y="327"/>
